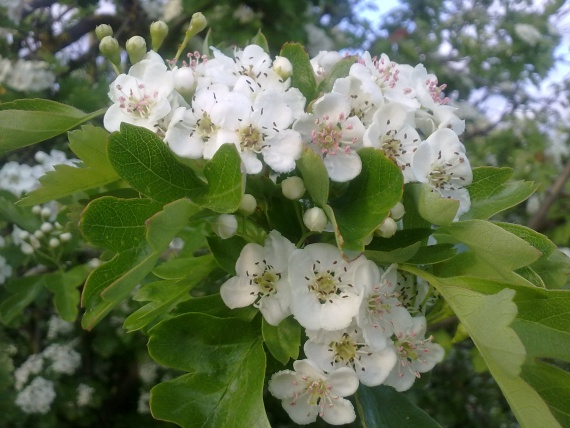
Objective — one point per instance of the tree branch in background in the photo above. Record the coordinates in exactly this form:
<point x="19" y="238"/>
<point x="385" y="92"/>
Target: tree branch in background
<point x="539" y="220"/>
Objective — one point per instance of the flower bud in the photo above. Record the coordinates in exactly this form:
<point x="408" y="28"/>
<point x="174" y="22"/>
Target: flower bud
<point x="283" y="67"/>
<point x="388" y="228"/>
<point x="315" y="219"/>
<point x="197" y="24"/>
<point x="184" y="81"/>
<point x="65" y="237"/>
<point x="397" y="211"/>
<point x="39" y="234"/>
<point x="293" y="188"/>
<point x="225" y="226"/>
<point x="109" y="48"/>
<point x="26" y="248"/>
<point x="136" y="48"/>
<point x="36" y="209"/>
<point x="45" y="212"/>
<point x="103" y="30"/>
<point x="247" y="204"/>
<point x="46" y="227"/>
<point x="158" y="32"/>
<point x="54" y="242"/>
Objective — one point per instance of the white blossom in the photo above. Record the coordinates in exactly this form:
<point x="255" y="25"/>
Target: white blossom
<point x="33" y="365"/>
<point x="84" y="394"/>
<point x="37" y="396"/>
<point x="334" y="135"/>
<point x="262" y="279"/>
<point x="64" y="359"/>
<point x="58" y="327"/>
<point x="307" y="392"/>
<point x="325" y="288"/>
<point x="348" y="348"/>
<point x="416" y="354"/>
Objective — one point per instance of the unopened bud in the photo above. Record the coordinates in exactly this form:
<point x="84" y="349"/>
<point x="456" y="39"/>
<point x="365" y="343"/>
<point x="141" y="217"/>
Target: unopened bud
<point x="293" y="188"/>
<point x="158" y="32"/>
<point x="46" y="227"/>
<point x="65" y="237"/>
<point x="283" y="67"/>
<point x="397" y="211"/>
<point x="197" y="24"/>
<point x="136" y="48"/>
<point x="315" y="219"/>
<point x="45" y="212"/>
<point x="39" y="234"/>
<point x="54" y="242"/>
<point x="247" y="204"/>
<point x="103" y="30"/>
<point x="225" y="226"/>
<point x="36" y="209"/>
<point x="184" y="81"/>
<point x="109" y="48"/>
<point x="388" y="228"/>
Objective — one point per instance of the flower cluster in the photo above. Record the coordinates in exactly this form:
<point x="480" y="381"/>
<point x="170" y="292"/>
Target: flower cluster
<point x="246" y="99"/>
<point x="354" y="315"/>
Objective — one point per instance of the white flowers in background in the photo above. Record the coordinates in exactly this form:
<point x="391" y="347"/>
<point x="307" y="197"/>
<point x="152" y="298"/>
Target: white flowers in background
<point x="528" y="33"/>
<point x="84" y="394"/>
<point x="262" y="279"/>
<point x="5" y="270"/>
<point x="64" y="359"/>
<point x="416" y="354"/>
<point x="33" y="365"/>
<point x="27" y="76"/>
<point x="307" y="392"/>
<point x="58" y="327"/>
<point x="37" y="396"/>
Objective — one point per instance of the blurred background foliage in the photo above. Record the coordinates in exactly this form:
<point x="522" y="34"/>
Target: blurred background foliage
<point x="505" y="64"/>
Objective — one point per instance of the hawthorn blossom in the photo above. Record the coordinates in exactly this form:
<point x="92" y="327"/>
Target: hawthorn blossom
<point x="37" y="397"/>
<point x="140" y="97"/>
<point x="259" y="127"/>
<point x="380" y="308"/>
<point x="325" y="290"/>
<point x="308" y="392"/>
<point x="348" y="348"/>
<point x="416" y="354"/>
<point x="334" y="135"/>
<point x="363" y="104"/>
<point x="440" y="161"/>
<point x="262" y="279"/>
<point x="391" y="132"/>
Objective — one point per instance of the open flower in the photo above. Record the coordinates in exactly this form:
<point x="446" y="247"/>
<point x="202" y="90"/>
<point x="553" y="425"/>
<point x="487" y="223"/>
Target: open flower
<point x="440" y="161"/>
<point x="416" y="354"/>
<point x="348" y="348"/>
<point x="334" y="135"/>
<point x="262" y="279"/>
<point x="141" y="97"/>
<point x="308" y="392"/>
<point x="324" y="288"/>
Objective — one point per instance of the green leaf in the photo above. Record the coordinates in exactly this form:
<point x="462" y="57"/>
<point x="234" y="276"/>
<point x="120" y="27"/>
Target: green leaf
<point x="399" y="255"/>
<point x="433" y="254"/>
<point x="340" y="69"/>
<point x="485" y="309"/>
<point x="431" y="205"/>
<point x="64" y="286"/>
<point x="368" y="199"/>
<point x="90" y="145"/>
<point x="226" y="364"/>
<point x="138" y="232"/>
<point x="226" y="251"/>
<point x="490" y="193"/>
<point x="214" y="305"/>
<point x="23" y="218"/>
<point x="165" y="295"/>
<point x="260" y="40"/>
<point x="24" y="290"/>
<point x="284" y="340"/>
<point x="384" y="407"/>
<point x="494" y="252"/>
<point x="315" y="176"/>
<point x="49" y="119"/>
<point x="553" y="267"/>
<point x="144" y="161"/>
<point x="303" y="76"/>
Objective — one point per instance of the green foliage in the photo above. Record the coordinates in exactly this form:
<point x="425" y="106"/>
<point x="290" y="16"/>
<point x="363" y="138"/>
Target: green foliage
<point x="284" y="340"/>
<point x="303" y="76"/>
<point x="222" y="356"/>
<point x="49" y="119"/>
<point x="90" y="145"/>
